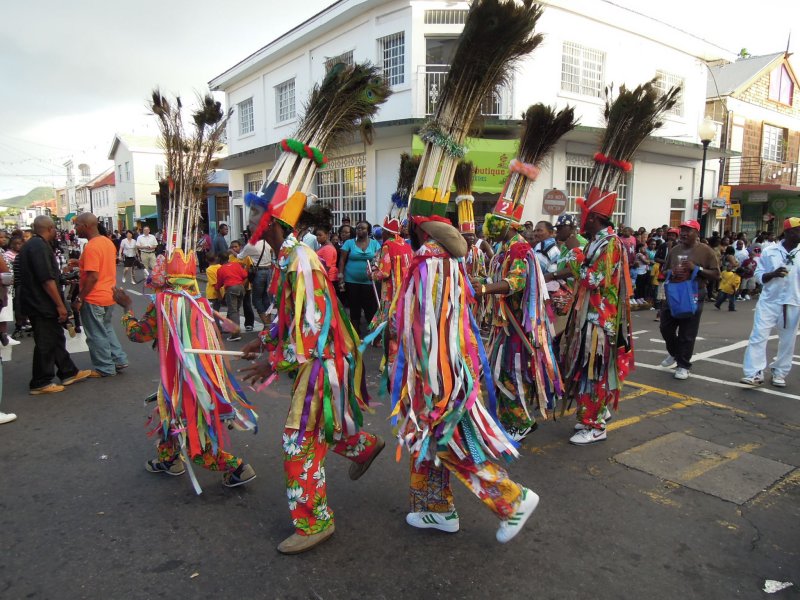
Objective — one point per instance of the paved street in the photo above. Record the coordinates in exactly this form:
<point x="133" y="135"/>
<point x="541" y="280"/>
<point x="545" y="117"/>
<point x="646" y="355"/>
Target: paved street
<point x="696" y="494"/>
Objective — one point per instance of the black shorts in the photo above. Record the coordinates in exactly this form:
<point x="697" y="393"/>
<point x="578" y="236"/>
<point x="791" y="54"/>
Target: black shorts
<point x="130" y="261"/>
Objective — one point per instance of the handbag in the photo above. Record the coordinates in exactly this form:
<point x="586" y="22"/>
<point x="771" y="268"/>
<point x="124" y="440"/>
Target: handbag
<point x="682" y="295"/>
<point x="252" y="269"/>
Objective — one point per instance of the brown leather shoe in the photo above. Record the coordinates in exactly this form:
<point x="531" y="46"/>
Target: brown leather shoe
<point x="358" y="469"/>
<point x="296" y="543"/>
<point x="79" y="376"/>
<point x="50" y="388"/>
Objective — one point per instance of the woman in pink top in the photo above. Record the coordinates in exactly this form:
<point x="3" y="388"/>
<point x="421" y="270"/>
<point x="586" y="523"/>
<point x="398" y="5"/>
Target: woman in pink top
<point x="327" y="253"/>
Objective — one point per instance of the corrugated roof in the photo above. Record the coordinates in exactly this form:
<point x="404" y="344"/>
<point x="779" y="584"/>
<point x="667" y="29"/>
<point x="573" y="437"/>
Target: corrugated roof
<point x="732" y="76"/>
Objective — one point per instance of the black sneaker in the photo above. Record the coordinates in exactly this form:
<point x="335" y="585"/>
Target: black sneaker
<point x="174" y="468"/>
<point x="248" y="328"/>
<point x="240" y="476"/>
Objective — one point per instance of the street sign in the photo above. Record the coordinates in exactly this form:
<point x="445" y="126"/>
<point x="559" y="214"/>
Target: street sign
<point x="718" y="203"/>
<point x="725" y="192"/>
<point x="555" y="202"/>
<point x="706" y="206"/>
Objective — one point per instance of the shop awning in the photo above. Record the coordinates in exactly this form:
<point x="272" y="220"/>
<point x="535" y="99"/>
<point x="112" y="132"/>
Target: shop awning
<point x="153" y="216"/>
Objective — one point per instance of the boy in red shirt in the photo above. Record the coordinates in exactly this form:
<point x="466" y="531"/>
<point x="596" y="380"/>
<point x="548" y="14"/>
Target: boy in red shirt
<point x="232" y="276"/>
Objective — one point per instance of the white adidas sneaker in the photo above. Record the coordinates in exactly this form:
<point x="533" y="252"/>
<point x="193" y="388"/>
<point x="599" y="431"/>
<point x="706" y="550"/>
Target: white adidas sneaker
<point x="431" y="520"/>
<point x="514" y="524"/>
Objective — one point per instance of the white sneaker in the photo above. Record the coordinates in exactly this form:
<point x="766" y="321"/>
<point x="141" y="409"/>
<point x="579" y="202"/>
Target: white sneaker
<point x="7" y="417"/>
<point x="588" y="436"/>
<point x="606" y="417"/>
<point x="681" y="373"/>
<point x="756" y="379"/>
<point x="514" y="524"/>
<point x="778" y="380"/>
<point x="123" y="280"/>
<point x="430" y="520"/>
<point x="13" y="342"/>
<point x="747" y="296"/>
<point x="669" y="362"/>
<point x="146" y="273"/>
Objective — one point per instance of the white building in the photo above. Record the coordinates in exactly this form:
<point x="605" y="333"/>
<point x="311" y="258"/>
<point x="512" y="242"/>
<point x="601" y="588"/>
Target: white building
<point x="77" y="196"/>
<point x="587" y="46"/>
<point x="103" y="199"/>
<point x="138" y="167"/>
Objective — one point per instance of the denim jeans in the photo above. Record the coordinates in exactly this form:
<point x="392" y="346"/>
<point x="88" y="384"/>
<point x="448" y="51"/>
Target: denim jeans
<point x="261" y="299"/>
<point x="104" y="348"/>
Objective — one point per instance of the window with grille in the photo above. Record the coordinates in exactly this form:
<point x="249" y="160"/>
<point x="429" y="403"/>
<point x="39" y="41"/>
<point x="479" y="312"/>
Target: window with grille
<point x="342" y="186"/>
<point x="781" y="87"/>
<point x="284" y="101"/>
<point x="344" y="57"/>
<point x="665" y="81"/>
<point x="127" y="171"/>
<point x="392" y="57"/>
<point x="445" y="17"/>
<point x="253" y="181"/>
<point x="772" y="143"/>
<point x="582" y="70"/>
<point x="579" y="169"/>
<point x="246" y="122"/>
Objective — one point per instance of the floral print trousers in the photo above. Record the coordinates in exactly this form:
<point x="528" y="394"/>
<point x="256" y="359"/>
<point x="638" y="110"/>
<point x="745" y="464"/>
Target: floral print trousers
<point x="430" y="485"/>
<point x="304" y="465"/>
<point x="169" y="451"/>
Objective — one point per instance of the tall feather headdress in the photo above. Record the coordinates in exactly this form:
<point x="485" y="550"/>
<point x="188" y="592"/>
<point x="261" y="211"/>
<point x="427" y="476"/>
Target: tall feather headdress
<point x="496" y="35"/>
<point x="542" y="128"/>
<point x="189" y="155"/>
<point x="336" y="109"/>
<point x="630" y="117"/>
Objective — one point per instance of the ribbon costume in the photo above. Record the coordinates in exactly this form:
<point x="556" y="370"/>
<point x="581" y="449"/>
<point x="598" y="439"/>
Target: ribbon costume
<point x="393" y="262"/>
<point x="475" y="260"/>
<point x="198" y="398"/>
<point x="597" y="344"/>
<point x="312" y="340"/>
<point x="437" y="405"/>
<point x="523" y="360"/>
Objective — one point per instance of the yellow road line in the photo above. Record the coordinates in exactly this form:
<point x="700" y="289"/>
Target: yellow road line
<point x="653" y="413"/>
<point x="709" y="463"/>
<point x="694" y="399"/>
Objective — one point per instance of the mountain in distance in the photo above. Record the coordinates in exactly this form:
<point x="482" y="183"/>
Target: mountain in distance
<point x="35" y="195"/>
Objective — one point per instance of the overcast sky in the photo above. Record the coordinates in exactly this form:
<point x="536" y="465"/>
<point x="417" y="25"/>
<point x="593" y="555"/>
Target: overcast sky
<point x="77" y="71"/>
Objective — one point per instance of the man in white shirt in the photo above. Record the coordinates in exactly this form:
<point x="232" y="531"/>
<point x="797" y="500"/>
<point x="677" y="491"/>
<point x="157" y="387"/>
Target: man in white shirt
<point x="778" y="306"/>
<point x="261" y="255"/>
<point x="146" y="245"/>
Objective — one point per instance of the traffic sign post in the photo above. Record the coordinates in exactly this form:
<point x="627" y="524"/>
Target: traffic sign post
<point x="554" y="203"/>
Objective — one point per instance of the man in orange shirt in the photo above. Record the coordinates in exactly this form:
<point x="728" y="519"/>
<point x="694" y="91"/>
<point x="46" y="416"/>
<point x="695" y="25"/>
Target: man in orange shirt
<point x="98" y="267"/>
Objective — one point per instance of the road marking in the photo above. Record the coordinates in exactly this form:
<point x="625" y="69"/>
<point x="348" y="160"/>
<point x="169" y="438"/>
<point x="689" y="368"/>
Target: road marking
<point x="736" y="384"/>
<point x="640" y="331"/>
<point x="709" y="463"/>
<point x="729" y="348"/>
<point x="719" y="361"/>
<point x="134" y="292"/>
<point x="688" y="398"/>
<point x="657" y="341"/>
<point x="653" y="413"/>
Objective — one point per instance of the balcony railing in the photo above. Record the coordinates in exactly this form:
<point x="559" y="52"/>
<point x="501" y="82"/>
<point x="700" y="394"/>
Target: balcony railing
<point x="741" y="170"/>
<point x="431" y="80"/>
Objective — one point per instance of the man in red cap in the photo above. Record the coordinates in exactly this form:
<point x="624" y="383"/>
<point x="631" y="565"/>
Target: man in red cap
<point x="392" y="265"/>
<point x="597" y="345"/>
<point x="662" y="253"/>
<point x="688" y="258"/>
<point x="778" y="306"/>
